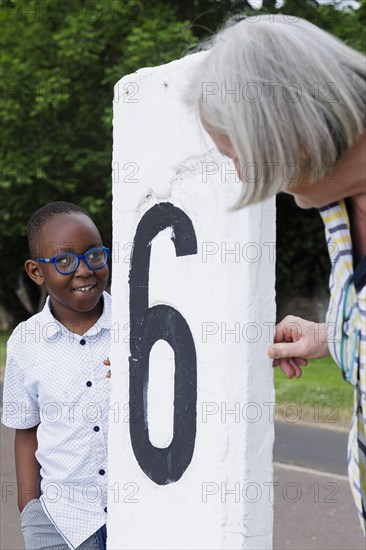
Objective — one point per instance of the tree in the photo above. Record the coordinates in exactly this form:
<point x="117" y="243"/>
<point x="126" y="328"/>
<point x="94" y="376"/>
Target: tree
<point x="59" y="63"/>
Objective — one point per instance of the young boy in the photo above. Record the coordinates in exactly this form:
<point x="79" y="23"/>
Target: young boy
<point x="56" y="394"/>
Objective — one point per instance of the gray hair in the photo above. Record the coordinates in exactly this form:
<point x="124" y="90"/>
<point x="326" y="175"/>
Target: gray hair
<point x="288" y="95"/>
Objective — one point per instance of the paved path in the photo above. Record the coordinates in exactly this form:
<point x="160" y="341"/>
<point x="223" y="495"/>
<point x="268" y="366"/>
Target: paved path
<point x="313" y="502"/>
<point x="311" y="446"/>
<point x="313" y="508"/>
<point x="314" y="511"/>
<point x="10" y="534"/>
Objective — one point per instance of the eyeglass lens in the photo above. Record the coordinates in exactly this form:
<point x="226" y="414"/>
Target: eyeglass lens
<point x="66" y="263"/>
<point x="95" y="258"/>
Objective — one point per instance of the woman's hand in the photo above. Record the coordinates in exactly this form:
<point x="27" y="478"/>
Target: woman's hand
<point x="107" y="363"/>
<point x="297" y="340"/>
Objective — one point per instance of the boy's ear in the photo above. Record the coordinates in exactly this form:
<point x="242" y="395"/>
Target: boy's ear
<point x="34" y="272"/>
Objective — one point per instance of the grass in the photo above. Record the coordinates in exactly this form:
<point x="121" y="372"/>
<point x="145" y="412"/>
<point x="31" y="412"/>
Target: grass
<point x="320" y="395"/>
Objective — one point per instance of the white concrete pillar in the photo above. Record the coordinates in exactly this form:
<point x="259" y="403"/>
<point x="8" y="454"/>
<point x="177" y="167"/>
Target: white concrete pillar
<point x="191" y="420"/>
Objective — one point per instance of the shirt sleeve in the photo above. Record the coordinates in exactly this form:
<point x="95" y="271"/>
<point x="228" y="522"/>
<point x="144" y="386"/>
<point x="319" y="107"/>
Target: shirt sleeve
<point x="20" y="405"/>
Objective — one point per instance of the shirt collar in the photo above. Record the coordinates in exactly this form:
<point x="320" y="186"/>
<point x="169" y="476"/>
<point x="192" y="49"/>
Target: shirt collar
<point x="105" y="320"/>
<point x="54" y="327"/>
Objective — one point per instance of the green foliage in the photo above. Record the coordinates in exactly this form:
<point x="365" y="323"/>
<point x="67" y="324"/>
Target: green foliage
<point x="59" y="62"/>
<point x="346" y="23"/>
<point x="303" y="264"/>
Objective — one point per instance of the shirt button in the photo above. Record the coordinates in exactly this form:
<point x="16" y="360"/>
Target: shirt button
<point x="105" y="509"/>
<point x="82" y="342"/>
<point x="88" y="383"/>
<point x="102" y="472"/>
<point x="96" y="429"/>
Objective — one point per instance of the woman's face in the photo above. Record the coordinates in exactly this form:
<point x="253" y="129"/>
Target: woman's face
<point x="311" y="195"/>
<point x="345" y="179"/>
<point x="224" y="145"/>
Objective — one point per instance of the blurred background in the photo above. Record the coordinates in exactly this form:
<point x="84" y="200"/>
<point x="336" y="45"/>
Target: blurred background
<point x="59" y="63"/>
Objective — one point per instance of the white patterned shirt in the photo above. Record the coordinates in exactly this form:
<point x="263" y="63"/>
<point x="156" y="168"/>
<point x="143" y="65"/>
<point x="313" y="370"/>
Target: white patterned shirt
<point x="56" y="379"/>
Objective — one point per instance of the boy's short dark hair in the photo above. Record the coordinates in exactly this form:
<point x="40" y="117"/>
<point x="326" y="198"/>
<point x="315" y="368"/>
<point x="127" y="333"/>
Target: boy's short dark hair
<point x="43" y="214"/>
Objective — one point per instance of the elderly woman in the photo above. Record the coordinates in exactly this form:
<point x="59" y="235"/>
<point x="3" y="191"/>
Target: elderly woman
<point x="286" y="101"/>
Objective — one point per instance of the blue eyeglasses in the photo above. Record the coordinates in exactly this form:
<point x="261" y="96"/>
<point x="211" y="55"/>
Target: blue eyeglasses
<point x="68" y="262"/>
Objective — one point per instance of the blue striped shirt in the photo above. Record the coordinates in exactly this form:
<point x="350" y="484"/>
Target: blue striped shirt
<point x="346" y="318"/>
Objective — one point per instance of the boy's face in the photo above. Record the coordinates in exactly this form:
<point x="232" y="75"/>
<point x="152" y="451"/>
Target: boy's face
<point x="69" y="232"/>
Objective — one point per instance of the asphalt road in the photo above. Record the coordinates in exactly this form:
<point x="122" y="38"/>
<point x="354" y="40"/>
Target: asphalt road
<point x="314" y="506"/>
<point x="312" y="447"/>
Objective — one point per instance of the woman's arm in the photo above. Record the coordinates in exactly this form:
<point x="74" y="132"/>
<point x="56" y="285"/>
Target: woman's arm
<point x="27" y="467"/>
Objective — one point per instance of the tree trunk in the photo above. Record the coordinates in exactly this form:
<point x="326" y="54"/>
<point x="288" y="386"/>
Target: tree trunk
<point x="241" y="5"/>
<point x="269" y="5"/>
<point x="185" y="10"/>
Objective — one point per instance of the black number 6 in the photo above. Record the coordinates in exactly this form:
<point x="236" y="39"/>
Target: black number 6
<point x="161" y="322"/>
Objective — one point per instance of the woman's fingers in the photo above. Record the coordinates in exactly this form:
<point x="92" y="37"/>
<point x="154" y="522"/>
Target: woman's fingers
<point x="293" y="344"/>
<point x="287" y="368"/>
<point x="291" y="366"/>
<point x="285" y="349"/>
<point x="296" y="367"/>
<point x="296" y="337"/>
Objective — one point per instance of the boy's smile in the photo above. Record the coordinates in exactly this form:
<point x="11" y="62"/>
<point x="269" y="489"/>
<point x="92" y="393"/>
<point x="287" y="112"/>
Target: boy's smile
<point x="75" y="297"/>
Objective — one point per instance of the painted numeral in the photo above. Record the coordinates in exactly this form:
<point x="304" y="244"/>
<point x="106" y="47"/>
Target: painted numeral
<point x="161" y="322"/>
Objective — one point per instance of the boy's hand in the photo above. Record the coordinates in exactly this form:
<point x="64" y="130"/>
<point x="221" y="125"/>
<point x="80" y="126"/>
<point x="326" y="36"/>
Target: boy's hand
<point x="107" y="363"/>
<point x="297" y="340"/>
